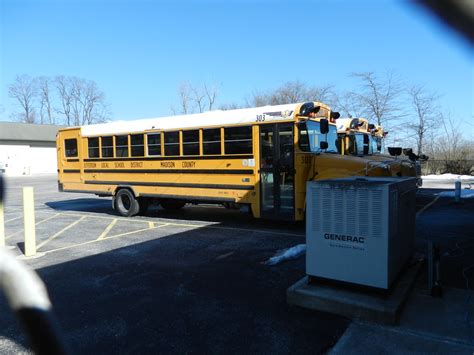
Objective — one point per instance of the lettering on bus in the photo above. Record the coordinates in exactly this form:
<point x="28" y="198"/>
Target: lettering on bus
<point x="305" y="159"/>
<point x="120" y="165"/>
<point x="89" y="165"/>
<point x="167" y="164"/>
<point x="188" y="164"/>
<point x="104" y="165"/>
<point x="136" y="165"/>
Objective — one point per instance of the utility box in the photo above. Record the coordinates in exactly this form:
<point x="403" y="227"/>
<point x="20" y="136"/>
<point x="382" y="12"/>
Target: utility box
<point x="360" y="230"/>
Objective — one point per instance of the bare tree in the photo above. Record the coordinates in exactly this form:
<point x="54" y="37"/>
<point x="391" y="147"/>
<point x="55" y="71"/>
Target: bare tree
<point x="349" y="104"/>
<point x="65" y="97"/>
<point x="379" y="97"/>
<point x="24" y="91"/>
<point x="292" y="92"/>
<point x="194" y="98"/>
<point x="424" y="104"/>
<point x="45" y="99"/>
<point x="81" y="101"/>
<point x="211" y="94"/>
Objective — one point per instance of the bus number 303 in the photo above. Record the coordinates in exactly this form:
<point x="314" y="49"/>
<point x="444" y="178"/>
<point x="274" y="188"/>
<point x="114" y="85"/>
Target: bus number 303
<point x="261" y="118"/>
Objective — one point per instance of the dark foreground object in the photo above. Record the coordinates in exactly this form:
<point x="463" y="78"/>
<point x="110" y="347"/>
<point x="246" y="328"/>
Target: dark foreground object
<point x="353" y="303"/>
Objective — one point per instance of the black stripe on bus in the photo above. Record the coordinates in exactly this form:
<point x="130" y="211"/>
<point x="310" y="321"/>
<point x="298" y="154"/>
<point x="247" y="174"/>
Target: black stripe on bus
<point x="171" y="171"/>
<point x="191" y="198"/>
<point x="200" y="157"/>
<point x="71" y="171"/>
<point x="170" y="184"/>
<point x="72" y="160"/>
<point x="102" y="193"/>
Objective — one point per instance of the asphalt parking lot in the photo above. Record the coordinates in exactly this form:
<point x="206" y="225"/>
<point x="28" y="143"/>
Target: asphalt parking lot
<point x="191" y="281"/>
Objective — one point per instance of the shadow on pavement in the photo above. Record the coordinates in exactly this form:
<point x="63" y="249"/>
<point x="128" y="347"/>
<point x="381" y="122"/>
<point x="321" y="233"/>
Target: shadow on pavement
<point x="200" y="291"/>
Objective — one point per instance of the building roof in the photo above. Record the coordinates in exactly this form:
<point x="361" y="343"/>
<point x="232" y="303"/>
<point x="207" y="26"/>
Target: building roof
<point x="13" y="131"/>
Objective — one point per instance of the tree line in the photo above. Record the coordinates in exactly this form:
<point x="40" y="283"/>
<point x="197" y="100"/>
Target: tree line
<point x="66" y="100"/>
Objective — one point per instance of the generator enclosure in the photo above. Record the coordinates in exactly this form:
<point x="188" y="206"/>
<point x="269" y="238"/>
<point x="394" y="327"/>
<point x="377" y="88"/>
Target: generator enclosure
<point x="360" y="230"/>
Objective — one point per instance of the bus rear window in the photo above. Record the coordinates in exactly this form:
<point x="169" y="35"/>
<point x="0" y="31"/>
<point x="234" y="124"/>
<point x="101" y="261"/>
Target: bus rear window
<point x="70" y="147"/>
<point x="238" y="140"/>
<point x="93" y="144"/>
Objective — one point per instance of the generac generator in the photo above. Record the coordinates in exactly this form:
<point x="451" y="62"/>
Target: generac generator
<point x="360" y="230"/>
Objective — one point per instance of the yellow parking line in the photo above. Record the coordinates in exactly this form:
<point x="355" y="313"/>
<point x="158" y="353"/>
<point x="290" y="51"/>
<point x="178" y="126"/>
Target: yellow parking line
<point x="60" y="232"/>
<point x="151" y="225"/>
<point x="137" y="231"/>
<point x="37" y="223"/>
<point x="107" y="230"/>
<point x="13" y="219"/>
<point x="98" y="241"/>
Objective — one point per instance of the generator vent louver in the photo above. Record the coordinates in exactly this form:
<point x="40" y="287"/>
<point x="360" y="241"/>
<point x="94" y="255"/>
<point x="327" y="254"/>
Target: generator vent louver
<point x="360" y="231"/>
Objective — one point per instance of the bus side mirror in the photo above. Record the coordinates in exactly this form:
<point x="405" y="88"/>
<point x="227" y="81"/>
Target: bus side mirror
<point x="335" y="115"/>
<point x="324" y="126"/>
<point x="323" y="145"/>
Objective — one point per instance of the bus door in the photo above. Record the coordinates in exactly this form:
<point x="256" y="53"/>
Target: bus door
<point x="277" y="172"/>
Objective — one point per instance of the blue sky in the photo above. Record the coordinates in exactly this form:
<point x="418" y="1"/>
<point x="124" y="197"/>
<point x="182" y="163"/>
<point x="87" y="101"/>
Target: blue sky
<point x="138" y="52"/>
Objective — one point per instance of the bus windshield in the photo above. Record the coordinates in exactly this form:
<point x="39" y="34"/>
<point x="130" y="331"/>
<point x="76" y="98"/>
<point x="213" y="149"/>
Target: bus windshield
<point x="314" y="136"/>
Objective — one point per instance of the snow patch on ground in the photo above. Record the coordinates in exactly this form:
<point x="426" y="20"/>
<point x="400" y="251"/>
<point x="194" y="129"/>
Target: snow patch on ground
<point x="448" y="177"/>
<point x="287" y="254"/>
<point x="464" y="194"/>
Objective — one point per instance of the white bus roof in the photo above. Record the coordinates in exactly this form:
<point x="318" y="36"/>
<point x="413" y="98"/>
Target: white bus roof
<point x="211" y="118"/>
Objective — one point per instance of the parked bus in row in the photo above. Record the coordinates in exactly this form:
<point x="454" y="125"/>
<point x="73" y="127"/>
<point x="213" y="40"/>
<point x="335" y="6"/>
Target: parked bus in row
<point x="356" y="136"/>
<point x="257" y="159"/>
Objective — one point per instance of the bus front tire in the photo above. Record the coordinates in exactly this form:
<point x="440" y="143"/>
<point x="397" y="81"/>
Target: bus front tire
<point x="126" y="204"/>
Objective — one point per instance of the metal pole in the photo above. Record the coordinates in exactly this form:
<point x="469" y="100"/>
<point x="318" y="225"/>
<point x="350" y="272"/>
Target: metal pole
<point x="29" y="221"/>
<point x="457" y="191"/>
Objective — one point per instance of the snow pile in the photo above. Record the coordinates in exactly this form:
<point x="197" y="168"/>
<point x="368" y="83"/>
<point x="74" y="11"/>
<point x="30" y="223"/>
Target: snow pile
<point x="287" y="254"/>
<point x="448" y="177"/>
<point x="464" y="194"/>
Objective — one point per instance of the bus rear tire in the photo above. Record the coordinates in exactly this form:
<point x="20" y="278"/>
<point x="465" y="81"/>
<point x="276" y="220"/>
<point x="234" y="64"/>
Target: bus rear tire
<point x="125" y="203"/>
<point x="172" y="204"/>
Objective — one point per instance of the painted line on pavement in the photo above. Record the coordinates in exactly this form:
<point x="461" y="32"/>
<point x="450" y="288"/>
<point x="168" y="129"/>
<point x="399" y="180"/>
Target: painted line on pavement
<point x="107" y="230"/>
<point x="54" y="236"/>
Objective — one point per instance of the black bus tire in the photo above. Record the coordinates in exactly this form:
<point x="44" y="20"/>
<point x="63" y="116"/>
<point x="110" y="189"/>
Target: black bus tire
<point x="125" y="203"/>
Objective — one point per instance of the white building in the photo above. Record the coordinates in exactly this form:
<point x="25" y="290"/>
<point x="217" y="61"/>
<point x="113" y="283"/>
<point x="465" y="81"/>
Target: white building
<point x="27" y="149"/>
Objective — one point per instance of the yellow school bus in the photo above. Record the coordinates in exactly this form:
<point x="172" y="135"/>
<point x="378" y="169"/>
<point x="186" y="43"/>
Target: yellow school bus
<point x="357" y="137"/>
<point x="257" y="159"/>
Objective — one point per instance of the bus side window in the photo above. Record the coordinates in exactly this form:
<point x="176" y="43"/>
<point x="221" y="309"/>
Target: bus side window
<point x="238" y="140"/>
<point x="121" y="146"/>
<point x="191" y="142"/>
<point x="137" y="145"/>
<point x="211" y="141"/>
<point x="93" y="147"/>
<point x="70" y="146"/>
<point x="107" y="147"/>
<point x="154" y="144"/>
<point x="171" y="143"/>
